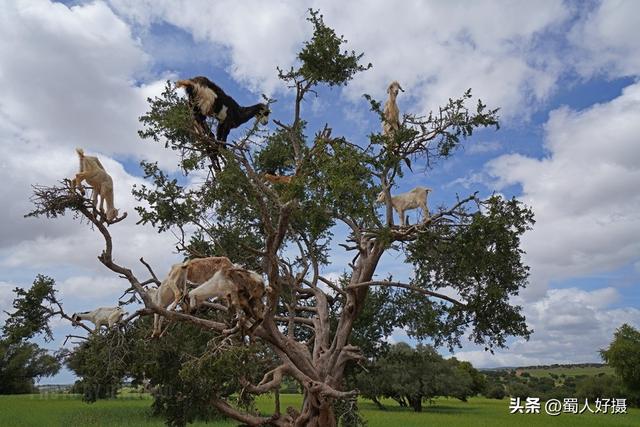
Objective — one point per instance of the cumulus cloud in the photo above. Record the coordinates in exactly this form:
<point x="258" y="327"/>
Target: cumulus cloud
<point x="492" y="47"/>
<point x="606" y="40"/>
<point x="68" y="78"/>
<point x="570" y="325"/>
<point x="584" y="191"/>
<point x="254" y="37"/>
<point x="68" y="74"/>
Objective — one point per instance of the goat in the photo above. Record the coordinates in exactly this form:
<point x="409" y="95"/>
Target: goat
<point x="92" y="171"/>
<point x="416" y="198"/>
<point x="168" y="294"/>
<point x="199" y="270"/>
<point x="391" y="112"/>
<point x="278" y="179"/>
<point x="243" y="289"/>
<point x="107" y="316"/>
<point x="209" y="100"/>
<point x="171" y="290"/>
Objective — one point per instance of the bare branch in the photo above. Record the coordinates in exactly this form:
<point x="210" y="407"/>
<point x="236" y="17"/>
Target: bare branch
<point x="154" y="278"/>
<point x="409" y="287"/>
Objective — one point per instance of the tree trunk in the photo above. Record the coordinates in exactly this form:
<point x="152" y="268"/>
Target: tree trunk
<point x="416" y="403"/>
<point x="378" y="403"/>
<point x="401" y="401"/>
<point x="316" y="412"/>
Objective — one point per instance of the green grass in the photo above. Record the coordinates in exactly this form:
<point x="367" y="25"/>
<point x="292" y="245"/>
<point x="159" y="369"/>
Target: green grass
<point x="69" y="411"/>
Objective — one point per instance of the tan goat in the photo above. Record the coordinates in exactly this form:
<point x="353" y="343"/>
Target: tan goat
<point x="278" y="179"/>
<point x="196" y="271"/>
<point x="92" y="171"/>
<point x="168" y="294"/>
<point x="391" y="112"/>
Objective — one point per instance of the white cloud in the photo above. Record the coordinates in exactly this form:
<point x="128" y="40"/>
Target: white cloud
<point x="255" y="36"/>
<point x="68" y="79"/>
<point x="491" y="47"/>
<point x="607" y="40"/>
<point x="68" y="76"/>
<point x="571" y="325"/>
<point x="6" y="299"/>
<point x="584" y="192"/>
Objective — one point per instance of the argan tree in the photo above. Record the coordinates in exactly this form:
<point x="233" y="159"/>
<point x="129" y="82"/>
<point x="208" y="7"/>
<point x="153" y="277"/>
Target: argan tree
<point x="465" y="258"/>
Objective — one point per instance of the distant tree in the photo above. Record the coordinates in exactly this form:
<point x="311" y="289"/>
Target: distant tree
<point x="22" y="362"/>
<point x="479" y="380"/>
<point x="623" y="354"/>
<point x="495" y="391"/>
<point x="412" y="376"/>
<point x="596" y="387"/>
<point x="518" y="389"/>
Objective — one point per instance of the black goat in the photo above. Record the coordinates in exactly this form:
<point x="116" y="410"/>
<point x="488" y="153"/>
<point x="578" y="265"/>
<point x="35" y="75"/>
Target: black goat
<point x="209" y="100"/>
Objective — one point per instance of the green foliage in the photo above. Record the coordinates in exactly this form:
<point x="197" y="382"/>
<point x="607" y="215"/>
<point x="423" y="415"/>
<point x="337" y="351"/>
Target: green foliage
<point x="479" y="380"/>
<point x="495" y="391"/>
<point x="463" y="122"/>
<point x="322" y="59"/>
<point x="169" y="120"/>
<point x="376" y="322"/>
<point x="277" y="157"/>
<point x="21" y="363"/>
<point x="414" y="376"/>
<point x="169" y="204"/>
<point x="481" y="260"/>
<point x="183" y="383"/>
<point x="599" y="387"/>
<point x="101" y="363"/>
<point x="32" y="311"/>
<point x="623" y="354"/>
<point x="517" y="389"/>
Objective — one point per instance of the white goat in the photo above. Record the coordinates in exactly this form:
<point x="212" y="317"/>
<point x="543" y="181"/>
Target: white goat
<point x="416" y="198"/>
<point x="171" y="290"/>
<point x="92" y="171"/>
<point x="107" y="316"/>
<point x="391" y="112"/>
<point x="243" y="289"/>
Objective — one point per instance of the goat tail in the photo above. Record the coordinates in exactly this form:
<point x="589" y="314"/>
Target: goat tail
<point x="80" y="152"/>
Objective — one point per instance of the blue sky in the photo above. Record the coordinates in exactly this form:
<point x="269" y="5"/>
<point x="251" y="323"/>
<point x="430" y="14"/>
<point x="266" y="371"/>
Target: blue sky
<point x="565" y="75"/>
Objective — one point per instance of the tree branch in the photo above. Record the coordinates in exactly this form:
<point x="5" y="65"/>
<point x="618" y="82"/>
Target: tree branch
<point x="409" y="287"/>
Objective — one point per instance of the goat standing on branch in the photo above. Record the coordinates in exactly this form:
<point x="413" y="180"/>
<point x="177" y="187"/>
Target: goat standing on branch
<point x="169" y="293"/>
<point x="107" y="316"/>
<point x="416" y="198"/>
<point x="209" y="100"/>
<point x="92" y="171"/>
<point x="195" y="271"/>
<point x="391" y="112"/>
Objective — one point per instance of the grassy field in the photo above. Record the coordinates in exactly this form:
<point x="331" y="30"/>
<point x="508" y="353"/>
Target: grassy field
<point x="69" y="411"/>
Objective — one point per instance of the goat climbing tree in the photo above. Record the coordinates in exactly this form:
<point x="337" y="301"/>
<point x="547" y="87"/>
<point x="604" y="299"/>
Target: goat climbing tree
<point x="465" y="258"/>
